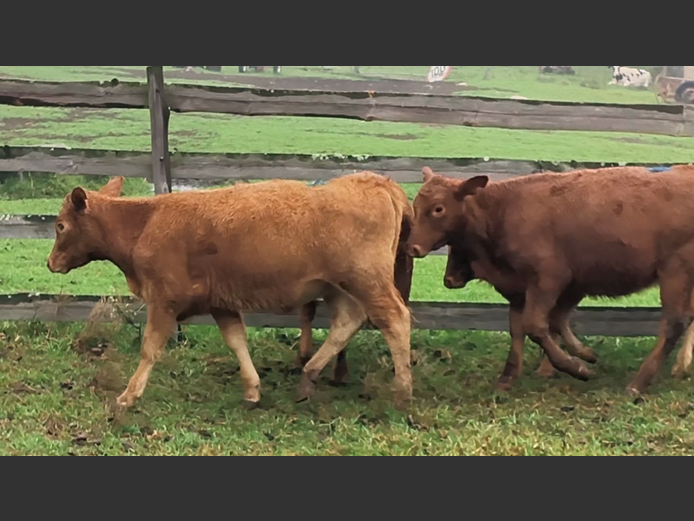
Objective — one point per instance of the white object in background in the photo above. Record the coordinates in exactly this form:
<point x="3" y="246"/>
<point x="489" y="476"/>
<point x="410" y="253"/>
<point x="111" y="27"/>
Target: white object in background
<point x="439" y="73"/>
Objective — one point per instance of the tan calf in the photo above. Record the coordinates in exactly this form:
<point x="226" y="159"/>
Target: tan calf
<point x="269" y="247"/>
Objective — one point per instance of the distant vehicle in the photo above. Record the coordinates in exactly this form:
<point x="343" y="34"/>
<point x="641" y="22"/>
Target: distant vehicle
<point x="676" y="84"/>
<point x="259" y="68"/>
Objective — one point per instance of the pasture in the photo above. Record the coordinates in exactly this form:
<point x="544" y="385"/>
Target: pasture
<point x="57" y="381"/>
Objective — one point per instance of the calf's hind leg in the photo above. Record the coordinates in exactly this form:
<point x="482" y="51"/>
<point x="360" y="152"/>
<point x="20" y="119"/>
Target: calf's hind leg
<point x="675" y="292"/>
<point x="346" y="319"/>
<point x="160" y="325"/>
<point x="234" y="333"/>
<point x="387" y="311"/>
<point x="307" y="314"/>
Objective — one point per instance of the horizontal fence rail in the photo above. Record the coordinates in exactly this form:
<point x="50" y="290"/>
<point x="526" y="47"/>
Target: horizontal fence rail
<point x="300" y="167"/>
<point x="589" y="321"/>
<point x="672" y="120"/>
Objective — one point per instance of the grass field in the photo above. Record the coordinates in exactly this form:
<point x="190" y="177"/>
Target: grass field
<point x="54" y="398"/>
<point x="590" y="84"/>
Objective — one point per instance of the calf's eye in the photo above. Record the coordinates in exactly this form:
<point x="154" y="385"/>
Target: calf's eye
<point x="438" y="210"/>
<point x="61" y="227"/>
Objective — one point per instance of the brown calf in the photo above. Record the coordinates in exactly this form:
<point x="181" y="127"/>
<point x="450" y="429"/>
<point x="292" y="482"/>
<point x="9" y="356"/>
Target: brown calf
<point x="461" y="269"/>
<point x="609" y="233"/>
<point x="274" y="247"/>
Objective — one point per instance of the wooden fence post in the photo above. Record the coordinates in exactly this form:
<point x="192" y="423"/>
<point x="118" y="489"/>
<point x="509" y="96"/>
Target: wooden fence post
<point x="159" y="116"/>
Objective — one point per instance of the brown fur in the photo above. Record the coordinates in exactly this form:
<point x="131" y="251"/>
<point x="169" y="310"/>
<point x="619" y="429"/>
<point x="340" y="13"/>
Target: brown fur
<point x="269" y="247"/>
<point x="461" y="269"/>
<point x="609" y="233"/>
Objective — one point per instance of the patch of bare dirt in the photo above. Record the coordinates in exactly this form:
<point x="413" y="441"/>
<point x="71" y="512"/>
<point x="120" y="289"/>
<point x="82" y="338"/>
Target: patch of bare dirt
<point x="17" y="123"/>
<point x="54" y="427"/>
<point x="103" y="324"/>
<point x="22" y="388"/>
<point x="638" y="141"/>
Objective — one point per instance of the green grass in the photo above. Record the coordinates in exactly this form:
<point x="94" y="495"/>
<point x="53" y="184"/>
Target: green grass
<point x="590" y="84"/>
<point x="56" y="401"/>
<point x="215" y="133"/>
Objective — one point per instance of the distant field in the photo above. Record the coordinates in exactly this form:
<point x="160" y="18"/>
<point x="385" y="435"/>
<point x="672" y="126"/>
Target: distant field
<point x="589" y="84"/>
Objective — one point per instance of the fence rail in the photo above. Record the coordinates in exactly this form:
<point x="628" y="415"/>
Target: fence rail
<point x="244" y="167"/>
<point x="589" y="321"/>
<point x="672" y="120"/>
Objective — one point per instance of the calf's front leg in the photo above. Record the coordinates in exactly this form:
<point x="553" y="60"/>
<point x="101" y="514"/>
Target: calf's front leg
<point x="160" y="325"/>
<point x="539" y="303"/>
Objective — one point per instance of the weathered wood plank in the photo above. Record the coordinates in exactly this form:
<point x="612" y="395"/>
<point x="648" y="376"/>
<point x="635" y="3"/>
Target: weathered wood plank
<point x="113" y="94"/>
<point x="453" y="110"/>
<point x="674" y="120"/>
<point x="159" y="119"/>
<point x="65" y="161"/>
<point x="243" y="167"/>
<point x="614" y="322"/>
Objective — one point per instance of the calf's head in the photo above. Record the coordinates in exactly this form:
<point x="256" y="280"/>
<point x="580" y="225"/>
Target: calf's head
<point x="78" y="237"/>
<point x="458" y="269"/>
<point x="439" y="212"/>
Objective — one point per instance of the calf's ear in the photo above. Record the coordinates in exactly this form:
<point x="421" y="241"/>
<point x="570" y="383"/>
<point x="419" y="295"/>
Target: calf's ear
<point x="471" y="186"/>
<point x="79" y="199"/>
<point x="428" y="174"/>
<point x="114" y="188"/>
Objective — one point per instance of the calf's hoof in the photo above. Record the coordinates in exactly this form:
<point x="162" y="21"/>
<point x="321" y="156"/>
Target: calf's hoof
<point x="588" y="355"/>
<point x="341" y="376"/>
<point x="635" y="395"/>
<point x="306" y="388"/>
<point x="250" y="405"/>
<point x="125" y="401"/>
<point x="579" y="370"/>
<point x="402" y="396"/>
<point x="679" y="371"/>
<point x="505" y="384"/>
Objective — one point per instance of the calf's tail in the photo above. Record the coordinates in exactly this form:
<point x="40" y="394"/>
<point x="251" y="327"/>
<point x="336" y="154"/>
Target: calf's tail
<point x="404" y="264"/>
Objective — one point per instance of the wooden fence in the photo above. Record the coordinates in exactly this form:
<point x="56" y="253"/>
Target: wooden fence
<point x="161" y="168"/>
<point x="427" y="315"/>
